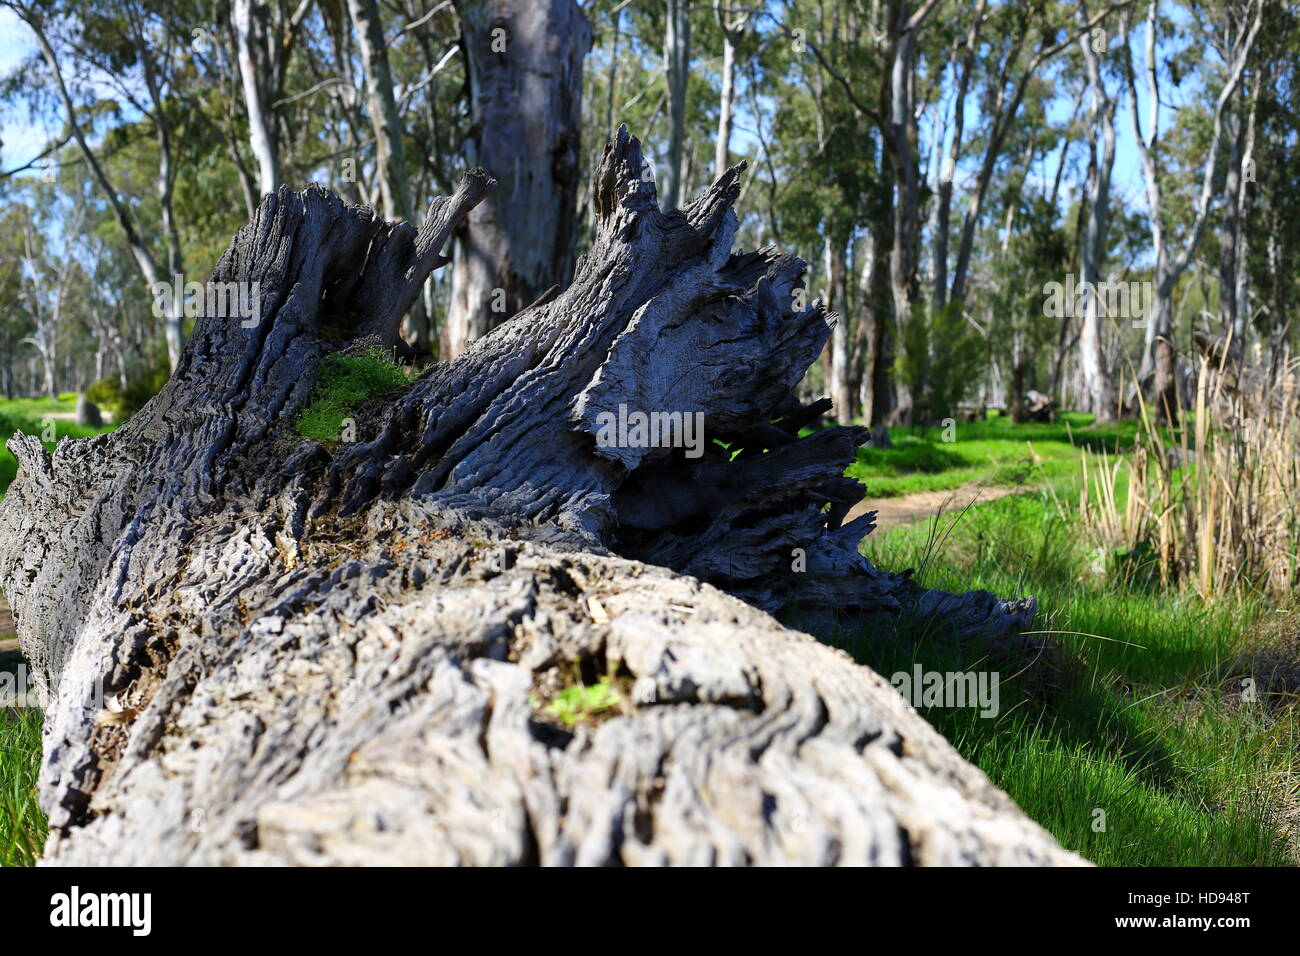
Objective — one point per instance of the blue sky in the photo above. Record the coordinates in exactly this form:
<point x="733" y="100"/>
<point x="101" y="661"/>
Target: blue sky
<point x="21" y="138"/>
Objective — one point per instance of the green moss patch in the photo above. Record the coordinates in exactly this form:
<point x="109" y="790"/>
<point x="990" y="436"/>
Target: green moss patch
<point x="345" y="382"/>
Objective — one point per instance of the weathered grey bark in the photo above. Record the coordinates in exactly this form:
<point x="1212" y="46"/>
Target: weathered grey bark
<point x="341" y="654"/>
<point x="525" y="78"/>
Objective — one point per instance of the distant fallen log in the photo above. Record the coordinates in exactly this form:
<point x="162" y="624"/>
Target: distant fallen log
<point x="87" y="414"/>
<point x="1038" y="407"/>
<point x="469" y="635"/>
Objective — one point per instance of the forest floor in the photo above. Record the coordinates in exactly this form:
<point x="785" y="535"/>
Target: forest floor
<point x="1127" y="727"/>
<point x="924" y="505"/>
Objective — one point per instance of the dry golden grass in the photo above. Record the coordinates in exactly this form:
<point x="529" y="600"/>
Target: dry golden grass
<point x="1212" y="500"/>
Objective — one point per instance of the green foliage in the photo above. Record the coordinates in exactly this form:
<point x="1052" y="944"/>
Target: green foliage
<point x="125" y="402"/>
<point x="345" y="382"/>
<point x="106" y="393"/>
<point x="940" y="362"/>
<point x="578" y="702"/>
<point x="996" y="451"/>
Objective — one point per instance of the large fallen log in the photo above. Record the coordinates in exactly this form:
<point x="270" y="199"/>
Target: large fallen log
<point x="258" y="648"/>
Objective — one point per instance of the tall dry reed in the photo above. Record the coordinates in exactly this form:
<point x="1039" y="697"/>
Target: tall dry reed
<point x="1212" y="502"/>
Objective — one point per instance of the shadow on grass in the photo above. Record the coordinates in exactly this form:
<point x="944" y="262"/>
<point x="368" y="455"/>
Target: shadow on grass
<point x="1113" y="728"/>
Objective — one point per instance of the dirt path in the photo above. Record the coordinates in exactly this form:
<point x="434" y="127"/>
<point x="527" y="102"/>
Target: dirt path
<point x="72" y="416"/>
<point x="922" y="505"/>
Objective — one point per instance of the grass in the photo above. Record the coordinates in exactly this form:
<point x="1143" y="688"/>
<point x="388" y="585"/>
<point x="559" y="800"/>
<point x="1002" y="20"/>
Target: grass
<point x="1130" y="716"/>
<point x="34" y="408"/>
<point x="995" y="451"/>
<point x="22" y="824"/>
<point x="1209" y="503"/>
<point x="345" y="382"/>
<point x="579" y="703"/>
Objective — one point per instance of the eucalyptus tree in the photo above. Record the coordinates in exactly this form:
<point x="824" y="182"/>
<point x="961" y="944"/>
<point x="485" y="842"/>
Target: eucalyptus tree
<point x="1159" y="357"/>
<point x="58" y="35"/>
<point x="1272" y="217"/>
<point x="524" y="63"/>
<point x="1098" y="392"/>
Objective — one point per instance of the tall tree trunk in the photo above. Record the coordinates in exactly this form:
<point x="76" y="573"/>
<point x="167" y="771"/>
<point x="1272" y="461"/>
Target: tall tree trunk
<point x="1241" y="287"/>
<point x="677" y="71"/>
<point x="1230" y="234"/>
<point x="390" y="155"/>
<point x="174" y="320"/>
<point x="1098" y="388"/>
<point x="1161" y="357"/>
<point x="525" y="76"/>
<point x="943" y="201"/>
<point x="902" y="136"/>
<point x="726" y="105"/>
<point x="250" y="38"/>
<point x="345" y="654"/>
<point x="135" y="242"/>
<point x="384" y="118"/>
<point x="732" y="30"/>
<point x="837" y="382"/>
<point x="1234" y="305"/>
<point x="876" y="384"/>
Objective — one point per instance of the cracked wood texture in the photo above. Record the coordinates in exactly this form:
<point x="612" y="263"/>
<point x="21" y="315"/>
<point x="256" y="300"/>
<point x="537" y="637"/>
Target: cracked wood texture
<point x="342" y="653"/>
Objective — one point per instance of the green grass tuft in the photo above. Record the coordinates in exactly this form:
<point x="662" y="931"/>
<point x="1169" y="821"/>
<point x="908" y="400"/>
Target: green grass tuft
<point x="578" y="702"/>
<point x="22" y="824"/>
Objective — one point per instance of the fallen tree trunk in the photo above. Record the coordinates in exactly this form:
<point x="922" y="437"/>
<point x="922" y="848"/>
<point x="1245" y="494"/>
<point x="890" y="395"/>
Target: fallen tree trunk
<point x="343" y="653"/>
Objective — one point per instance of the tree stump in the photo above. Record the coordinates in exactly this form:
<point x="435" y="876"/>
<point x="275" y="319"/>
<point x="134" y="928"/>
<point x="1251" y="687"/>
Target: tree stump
<point x="87" y="414"/>
<point x="345" y="653"/>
